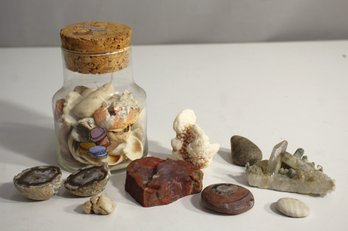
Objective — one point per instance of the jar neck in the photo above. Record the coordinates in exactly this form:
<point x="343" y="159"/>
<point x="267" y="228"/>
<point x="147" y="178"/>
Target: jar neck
<point x="92" y="69"/>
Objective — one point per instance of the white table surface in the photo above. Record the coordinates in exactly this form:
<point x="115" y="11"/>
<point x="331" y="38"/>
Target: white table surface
<point x="266" y="92"/>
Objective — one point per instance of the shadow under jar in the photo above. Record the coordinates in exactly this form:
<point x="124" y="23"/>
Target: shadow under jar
<point x="100" y="112"/>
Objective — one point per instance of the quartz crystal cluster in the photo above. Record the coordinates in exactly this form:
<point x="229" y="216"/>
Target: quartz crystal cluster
<point x="289" y="172"/>
<point x="191" y="143"/>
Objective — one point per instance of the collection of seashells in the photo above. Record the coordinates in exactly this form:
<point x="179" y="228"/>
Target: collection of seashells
<point x="98" y="125"/>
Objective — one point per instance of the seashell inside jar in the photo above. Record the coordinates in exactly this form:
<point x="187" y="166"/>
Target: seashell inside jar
<point x="100" y="112"/>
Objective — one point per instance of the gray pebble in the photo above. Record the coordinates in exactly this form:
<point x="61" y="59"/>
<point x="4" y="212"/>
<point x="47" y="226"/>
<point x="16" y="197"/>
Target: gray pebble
<point x="244" y="151"/>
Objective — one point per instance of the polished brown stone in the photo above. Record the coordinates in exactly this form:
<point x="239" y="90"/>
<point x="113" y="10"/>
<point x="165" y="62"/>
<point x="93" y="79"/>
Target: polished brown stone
<point x="227" y="198"/>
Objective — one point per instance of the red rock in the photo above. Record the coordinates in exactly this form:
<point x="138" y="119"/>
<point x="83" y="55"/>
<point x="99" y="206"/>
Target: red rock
<point x="152" y="181"/>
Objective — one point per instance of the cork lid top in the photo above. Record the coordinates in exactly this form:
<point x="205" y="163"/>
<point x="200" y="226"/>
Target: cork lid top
<point x="95" y="37"/>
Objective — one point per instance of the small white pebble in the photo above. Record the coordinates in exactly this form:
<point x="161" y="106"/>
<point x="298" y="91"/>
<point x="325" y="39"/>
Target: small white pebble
<point x="292" y="207"/>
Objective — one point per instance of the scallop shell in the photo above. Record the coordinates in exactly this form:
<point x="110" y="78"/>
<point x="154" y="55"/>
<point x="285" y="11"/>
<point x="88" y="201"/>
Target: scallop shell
<point x="292" y="207"/>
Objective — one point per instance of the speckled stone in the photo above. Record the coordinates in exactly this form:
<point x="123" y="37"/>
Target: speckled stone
<point x="292" y="207"/>
<point x="227" y="198"/>
<point x="244" y="151"/>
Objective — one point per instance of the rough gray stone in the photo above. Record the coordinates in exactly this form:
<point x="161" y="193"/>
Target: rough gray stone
<point x="244" y="151"/>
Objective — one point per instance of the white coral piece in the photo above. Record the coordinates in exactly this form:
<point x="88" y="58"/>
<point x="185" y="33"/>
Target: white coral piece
<point x="191" y="143"/>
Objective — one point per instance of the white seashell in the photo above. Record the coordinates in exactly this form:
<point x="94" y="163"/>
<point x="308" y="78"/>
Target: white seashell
<point x="71" y="100"/>
<point x="134" y="148"/>
<point x="113" y="159"/>
<point x="191" y="143"/>
<point x="292" y="207"/>
<point x="100" y="204"/>
<point x="92" y="101"/>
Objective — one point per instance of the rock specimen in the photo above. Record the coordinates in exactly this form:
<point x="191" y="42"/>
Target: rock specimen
<point x="244" y="151"/>
<point x="292" y="207"/>
<point x="88" y="181"/>
<point x="292" y="173"/>
<point x="152" y="181"/>
<point x="227" y="199"/>
<point x="39" y="183"/>
<point x="100" y="204"/>
<point x="191" y="143"/>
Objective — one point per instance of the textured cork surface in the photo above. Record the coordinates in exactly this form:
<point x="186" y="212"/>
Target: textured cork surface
<point x="95" y="37"/>
<point x="96" y="47"/>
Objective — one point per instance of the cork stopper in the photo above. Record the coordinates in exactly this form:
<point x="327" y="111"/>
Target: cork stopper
<point x="96" y="47"/>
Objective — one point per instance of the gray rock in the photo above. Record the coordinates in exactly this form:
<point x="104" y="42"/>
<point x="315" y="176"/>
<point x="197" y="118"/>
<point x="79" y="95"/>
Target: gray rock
<point x="244" y="151"/>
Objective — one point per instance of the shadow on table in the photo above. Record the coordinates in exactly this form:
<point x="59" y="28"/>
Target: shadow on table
<point x="8" y="192"/>
<point x="225" y="155"/>
<point x="21" y="132"/>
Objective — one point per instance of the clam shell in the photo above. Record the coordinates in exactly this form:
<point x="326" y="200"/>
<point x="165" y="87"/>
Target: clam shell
<point x="134" y="148"/>
<point x="292" y="207"/>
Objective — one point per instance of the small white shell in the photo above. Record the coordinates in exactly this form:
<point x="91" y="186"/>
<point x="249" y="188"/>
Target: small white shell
<point x="292" y="207"/>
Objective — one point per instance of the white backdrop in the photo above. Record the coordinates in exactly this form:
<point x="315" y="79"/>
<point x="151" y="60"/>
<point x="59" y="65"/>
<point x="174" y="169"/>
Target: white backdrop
<point x="37" y="22"/>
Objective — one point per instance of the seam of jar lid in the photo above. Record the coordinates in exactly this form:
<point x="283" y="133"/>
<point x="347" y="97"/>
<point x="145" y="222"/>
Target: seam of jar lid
<point x="96" y="53"/>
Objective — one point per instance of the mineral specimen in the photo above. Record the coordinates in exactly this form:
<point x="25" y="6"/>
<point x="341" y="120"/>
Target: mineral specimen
<point x="227" y="199"/>
<point x="244" y="151"/>
<point x="88" y="181"/>
<point x="39" y="183"/>
<point x="292" y="173"/>
<point x="191" y="143"/>
<point x="292" y="207"/>
<point x="152" y="181"/>
<point x="100" y="204"/>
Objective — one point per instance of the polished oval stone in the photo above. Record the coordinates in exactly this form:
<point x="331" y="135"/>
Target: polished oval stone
<point x="98" y="151"/>
<point x="227" y="198"/>
<point x="292" y="207"/>
<point x="244" y="151"/>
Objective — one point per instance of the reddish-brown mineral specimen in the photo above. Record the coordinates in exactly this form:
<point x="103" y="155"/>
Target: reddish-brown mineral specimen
<point x="152" y="181"/>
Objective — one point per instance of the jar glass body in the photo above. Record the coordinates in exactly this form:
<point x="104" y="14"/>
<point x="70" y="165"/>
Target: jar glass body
<point x="99" y="117"/>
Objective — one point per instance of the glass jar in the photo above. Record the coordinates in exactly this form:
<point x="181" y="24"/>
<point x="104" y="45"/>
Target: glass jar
<point x="100" y="112"/>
